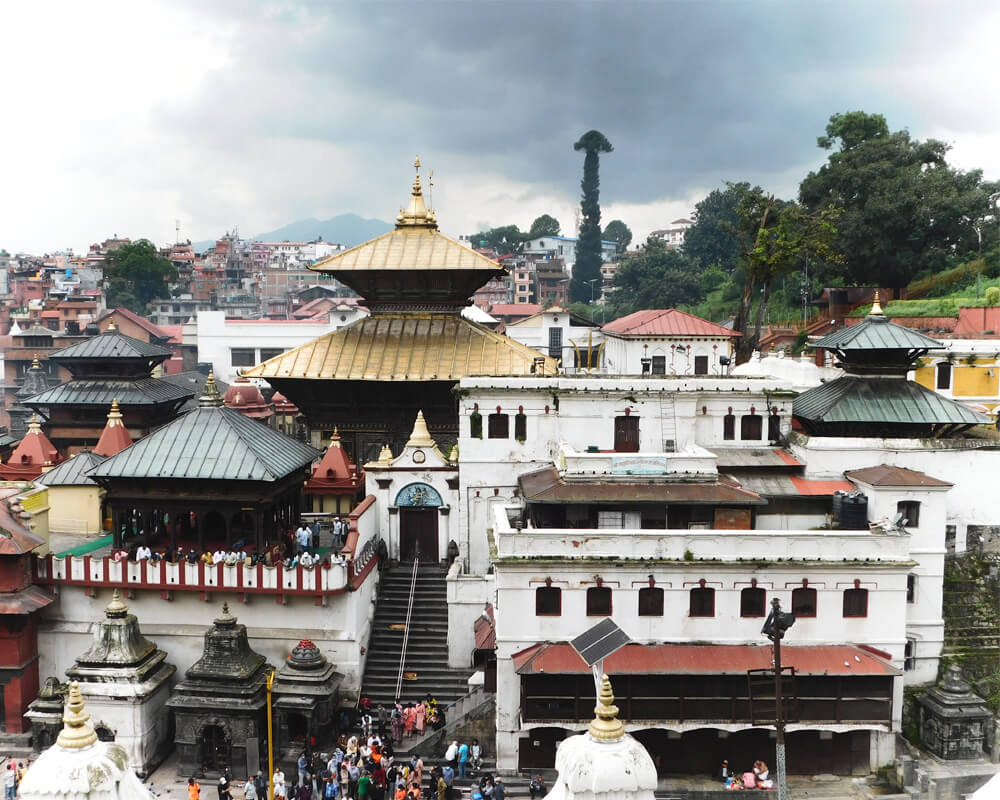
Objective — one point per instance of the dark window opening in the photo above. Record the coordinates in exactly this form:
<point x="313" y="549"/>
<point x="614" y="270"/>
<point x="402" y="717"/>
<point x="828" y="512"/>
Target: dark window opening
<point x="627" y="434"/>
<point x="267" y="353"/>
<point x="910" y="509"/>
<point x="548" y="601"/>
<point x="651" y="602"/>
<point x="599" y="601"/>
<point x="944" y="375"/>
<point x="520" y="427"/>
<point x="804" y="602"/>
<point x="499" y="426"/>
<point x="950" y="534"/>
<point x="555" y="342"/>
<point x="773" y="428"/>
<point x="701" y="365"/>
<point x="243" y="358"/>
<point x="855" y="602"/>
<point x="729" y="427"/>
<point x="702" y="602"/>
<point x="911" y="588"/>
<point x="752" y="600"/>
<point x="659" y="365"/>
<point x="910" y="655"/>
<point x="751" y="426"/>
<point x="476" y="425"/>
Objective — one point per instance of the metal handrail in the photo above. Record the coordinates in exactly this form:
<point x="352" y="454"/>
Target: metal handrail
<point x="406" y="630"/>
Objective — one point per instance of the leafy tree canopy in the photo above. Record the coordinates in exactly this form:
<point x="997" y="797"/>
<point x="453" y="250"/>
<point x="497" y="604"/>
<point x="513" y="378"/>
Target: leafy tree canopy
<point x="136" y="273"/>
<point x="655" y="276"/>
<point x="502" y="241"/>
<point x="712" y="240"/>
<point x="618" y="231"/>
<point x="544" y="225"/>
<point x="587" y="267"/>
<point x="905" y="211"/>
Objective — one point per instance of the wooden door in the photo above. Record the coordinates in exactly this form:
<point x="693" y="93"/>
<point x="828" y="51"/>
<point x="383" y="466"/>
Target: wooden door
<point x="627" y="434"/>
<point x="418" y="534"/>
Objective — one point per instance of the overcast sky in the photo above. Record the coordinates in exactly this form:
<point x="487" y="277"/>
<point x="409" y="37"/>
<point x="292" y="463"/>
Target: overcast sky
<point x="122" y="117"/>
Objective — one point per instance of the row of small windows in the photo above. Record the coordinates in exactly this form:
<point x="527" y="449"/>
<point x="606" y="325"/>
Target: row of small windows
<point x="498" y="425"/>
<point x="751" y="426"/>
<point x="701" y="602"/>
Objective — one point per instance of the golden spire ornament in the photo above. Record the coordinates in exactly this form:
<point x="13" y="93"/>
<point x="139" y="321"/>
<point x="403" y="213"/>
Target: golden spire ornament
<point x="606" y="727"/>
<point x="876" y="307"/>
<point x="77" y="732"/>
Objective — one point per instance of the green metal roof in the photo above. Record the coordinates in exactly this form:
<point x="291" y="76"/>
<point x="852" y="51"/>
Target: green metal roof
<point x="112" y="344"/>
<point x="853" y="399"/>
<point x="877" y="333"/>
<point x="210" y="443"/>
<point x="101" y="392"/>
<point x="72" y="472"/>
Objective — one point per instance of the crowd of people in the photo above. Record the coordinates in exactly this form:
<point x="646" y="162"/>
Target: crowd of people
<point x="12" y="778"/>
<point x="306" y="558"/>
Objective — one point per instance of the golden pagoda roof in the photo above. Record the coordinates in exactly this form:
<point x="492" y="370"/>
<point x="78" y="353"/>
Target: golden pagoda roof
<point x="415" y="244"/>
<point x="406" y="347"/>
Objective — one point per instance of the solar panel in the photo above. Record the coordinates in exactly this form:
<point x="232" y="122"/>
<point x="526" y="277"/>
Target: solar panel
<point x="600" y="642"/>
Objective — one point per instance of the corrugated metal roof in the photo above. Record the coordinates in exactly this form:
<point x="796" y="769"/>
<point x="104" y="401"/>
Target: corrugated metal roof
<point x="665" y="322"/>
<point x="101" y="392"/>
<point x="72" y="472"/>
<point x="485" y="630"/>
<point x="111" y="344"/>
<point x="877" y="333"/>
<point x="754" y="457"/>
<point x="880" y="399"/>
<point x="210" y="443"/>
<point x="887" y="475"/>
<point x="417" y="248"/>
<point x="545" y="486"/>
<point x="770" y="484"/>
<point x="704" y="659"/>
<point x="405" y="347"/>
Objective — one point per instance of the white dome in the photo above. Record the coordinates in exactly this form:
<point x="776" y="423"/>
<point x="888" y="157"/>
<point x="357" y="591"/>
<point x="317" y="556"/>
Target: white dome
<point x="79" y="767"/>
<point x="605" y="762"/>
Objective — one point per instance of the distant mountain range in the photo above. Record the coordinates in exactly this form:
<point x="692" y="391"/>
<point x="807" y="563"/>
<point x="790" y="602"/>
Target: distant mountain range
<point x="346" y="229"/>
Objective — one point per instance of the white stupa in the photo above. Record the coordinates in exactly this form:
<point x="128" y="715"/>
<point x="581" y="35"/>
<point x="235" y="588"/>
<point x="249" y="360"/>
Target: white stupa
<point x="78" y="766"/>
<point x="605" y="763"/>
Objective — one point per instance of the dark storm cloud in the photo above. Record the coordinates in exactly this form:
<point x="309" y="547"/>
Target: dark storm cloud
<point x="689" y="93"/>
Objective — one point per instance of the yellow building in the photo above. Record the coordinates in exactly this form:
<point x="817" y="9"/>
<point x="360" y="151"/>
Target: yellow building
<point x="75" y="502"/>
<point x="967" y="370"/>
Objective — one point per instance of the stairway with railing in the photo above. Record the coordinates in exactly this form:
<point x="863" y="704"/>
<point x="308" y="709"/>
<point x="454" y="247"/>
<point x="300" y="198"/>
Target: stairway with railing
<point x="408" y="649"/>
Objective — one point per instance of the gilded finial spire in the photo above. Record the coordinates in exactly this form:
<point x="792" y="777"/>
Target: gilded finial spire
<point x="385" y="455"/>
<point x="606" y="727"/>
<point x="115" y="414"/>
<point x="420" y="437"/>
<point x="416" y="214"/>
<point x="77" y="732"/>
<point x="117" y="607"/>
<point x="335" y="439"/>
<point x="876" y="307"/>
<point x="210" y="398"/>
<point x="111" y="327"/>
<point x="34" y="426"/>
<point x="35" y="364"/>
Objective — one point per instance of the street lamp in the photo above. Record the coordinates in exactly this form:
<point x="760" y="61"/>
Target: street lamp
<point x="592" y="281"/>
<point x="777" y="623"/>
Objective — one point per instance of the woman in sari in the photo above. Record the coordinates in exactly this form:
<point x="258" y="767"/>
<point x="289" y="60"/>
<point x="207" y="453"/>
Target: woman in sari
<point x="420" y="718"/>
<point x="411" y="718"/>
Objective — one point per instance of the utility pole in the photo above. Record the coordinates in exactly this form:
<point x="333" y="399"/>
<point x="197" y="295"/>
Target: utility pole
<point x="270" y="738"/>
<point x="774" y="629"/>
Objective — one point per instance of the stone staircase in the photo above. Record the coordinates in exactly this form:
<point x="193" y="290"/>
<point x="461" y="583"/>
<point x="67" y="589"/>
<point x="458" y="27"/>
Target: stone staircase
<point x="427" y="649"/>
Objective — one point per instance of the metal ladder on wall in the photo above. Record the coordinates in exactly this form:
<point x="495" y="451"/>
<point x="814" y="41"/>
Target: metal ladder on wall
<point x="668" y="421"/>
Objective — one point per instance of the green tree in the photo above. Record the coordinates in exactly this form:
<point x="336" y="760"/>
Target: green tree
<point x="775" y="236"/>
<point x="136" y="273"/>
<point x="712" y="239"/>
<point x="502" y="241"/>
<point x="618" y="231"/>
<point x="905" y="211"/>
<point x="544" y="225"/>
<point x="587" y="269"/>
<point x="655" y="276"/>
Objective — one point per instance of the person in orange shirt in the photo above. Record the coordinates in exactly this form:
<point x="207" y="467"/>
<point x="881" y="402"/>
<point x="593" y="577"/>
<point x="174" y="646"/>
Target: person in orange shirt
<point x="194" y="789"/>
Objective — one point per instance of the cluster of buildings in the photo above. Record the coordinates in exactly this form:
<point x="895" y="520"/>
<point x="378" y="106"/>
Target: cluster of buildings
<point x="531" y="483"/>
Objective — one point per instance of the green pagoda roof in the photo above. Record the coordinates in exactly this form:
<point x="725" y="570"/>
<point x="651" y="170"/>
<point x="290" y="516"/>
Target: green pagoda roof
<point x="877" y="332"/>
<point x="112" y="344"/>
<point x="102" y="391"/>
<point x="72" y="471"/>
<point x="210" y="443"/>
<point x="855" y="401"/>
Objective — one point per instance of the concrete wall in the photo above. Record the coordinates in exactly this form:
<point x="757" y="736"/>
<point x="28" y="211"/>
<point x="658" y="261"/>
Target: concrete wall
<point x="75" y="509"/>
<point x="468" y="596"/>
<point x="623" y="356"/>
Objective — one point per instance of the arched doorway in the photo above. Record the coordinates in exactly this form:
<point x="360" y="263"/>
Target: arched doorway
<point x="214" y="748"/>
<point x="214" y="530"/>
<point x="418" y="506"/>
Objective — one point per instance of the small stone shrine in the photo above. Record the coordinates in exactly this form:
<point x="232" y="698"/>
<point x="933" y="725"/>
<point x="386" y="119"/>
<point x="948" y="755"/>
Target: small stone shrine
<point x="953" y="718"/>
<point x="45" y="714"/>
<point x="220" y="708"/>
<point x="305" y="694"/>
<point x="125" y="680"/>
<point x="79" y="765"/>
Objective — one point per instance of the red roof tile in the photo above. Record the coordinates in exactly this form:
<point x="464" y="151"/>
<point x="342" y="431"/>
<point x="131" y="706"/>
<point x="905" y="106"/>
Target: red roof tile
<point x="485" y="630"/>
<point x="704" y="659"/>
<point x="514" y="309"/>
<point x="32" y="454"/>
<point x="665" y="322"/>
<point x="808" y="486"/>
<point x="335" y="473"/>
<point x="115" y="436"/>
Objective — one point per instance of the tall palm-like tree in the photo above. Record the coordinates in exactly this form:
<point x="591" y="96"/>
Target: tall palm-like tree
<point x="586" y="282"/>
